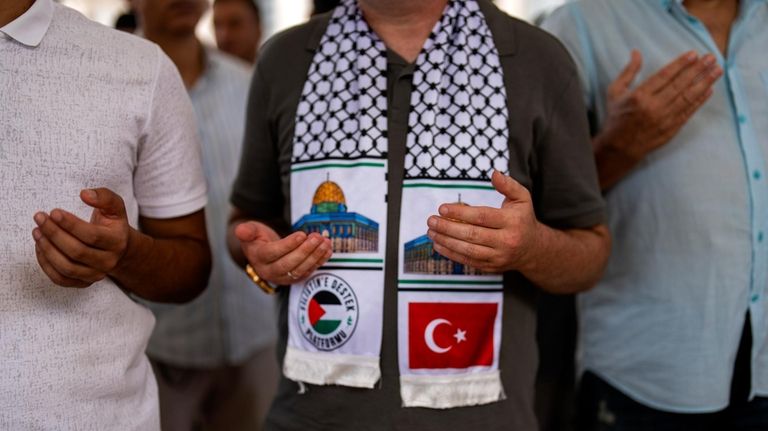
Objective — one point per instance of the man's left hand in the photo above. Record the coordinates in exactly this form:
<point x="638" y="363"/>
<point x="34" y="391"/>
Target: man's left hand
<point x="492" y="240"/>
<point x="76" y="253"/>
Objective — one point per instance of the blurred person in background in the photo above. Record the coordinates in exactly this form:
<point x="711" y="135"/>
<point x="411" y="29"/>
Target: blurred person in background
<point x="102" y="195"/>
<point x="237" y="26"/>
<point x="214" y="358"/>
<point x="675" y="336"/>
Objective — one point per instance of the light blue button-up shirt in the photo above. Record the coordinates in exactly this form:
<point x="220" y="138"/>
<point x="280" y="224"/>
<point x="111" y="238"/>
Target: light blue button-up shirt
<point x="690" y="223"/>
<point x="232" y="319"/>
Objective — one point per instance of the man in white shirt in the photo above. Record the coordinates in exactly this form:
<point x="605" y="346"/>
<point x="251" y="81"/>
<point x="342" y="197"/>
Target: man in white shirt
<point x="214" y="358"/>
<point x="97" y="139"/>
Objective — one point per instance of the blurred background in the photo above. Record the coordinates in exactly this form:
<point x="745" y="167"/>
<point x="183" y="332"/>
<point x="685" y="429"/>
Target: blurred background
<point x="280" y="14"/>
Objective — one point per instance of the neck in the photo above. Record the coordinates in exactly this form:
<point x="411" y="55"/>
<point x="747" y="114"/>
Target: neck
<point x="185" y="51"/>
<point x="403" y="25"/>
<point x="717" y="15"/>
<point x="12" y="9"/>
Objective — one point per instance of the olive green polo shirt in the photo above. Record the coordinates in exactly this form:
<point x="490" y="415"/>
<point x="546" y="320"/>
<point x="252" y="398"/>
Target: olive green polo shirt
<point x="550" y="154"/>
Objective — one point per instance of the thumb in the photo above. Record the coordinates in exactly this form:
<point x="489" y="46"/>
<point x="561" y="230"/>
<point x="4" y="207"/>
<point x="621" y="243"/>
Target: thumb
<point x="510" y="188"/>
<point x="109" y="203"/>
<point x="628" y="74"/>
<point x="252" y="231"/>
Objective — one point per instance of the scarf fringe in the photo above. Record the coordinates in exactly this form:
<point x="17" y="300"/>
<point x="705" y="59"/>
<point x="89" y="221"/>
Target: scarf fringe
<point x="445" y="392"/>
<point x="331" y="369"/>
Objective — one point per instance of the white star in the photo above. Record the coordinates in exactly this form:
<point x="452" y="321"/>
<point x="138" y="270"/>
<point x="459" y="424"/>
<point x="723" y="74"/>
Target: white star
<point x="460" y="335"/>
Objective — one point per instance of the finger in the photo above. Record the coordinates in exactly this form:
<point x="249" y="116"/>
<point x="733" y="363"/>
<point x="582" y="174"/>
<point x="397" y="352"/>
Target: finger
<point x="460" y="258"/>
<point x="267" y="252"/>
<point x="687" y="78"/>
<point x="62" y="264"/>
<point x="627" y="75"/>
<point x="108" y="202"/>
<point x="479" y="253"/>
<point x="280" y="267"/>
<point x="690" y="97"/>
<point x="511" y="189"/>
<point x="317" y="258"/>
<point x="480" y="216"/>
<point x="53" y="275"/>
<point x="70" y="246"/>
<point x="71" y="227"/>
<point x="464" y="231"/>
<point x="661" y="78"/>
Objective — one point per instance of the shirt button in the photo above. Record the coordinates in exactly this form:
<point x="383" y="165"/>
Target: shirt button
<point x="756" y="175"/>
<point x="742" y="118"/>
<point x="755" y="297"/>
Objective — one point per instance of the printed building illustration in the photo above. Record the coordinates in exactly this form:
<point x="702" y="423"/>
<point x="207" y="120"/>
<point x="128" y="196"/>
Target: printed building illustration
<point x="421" y="258"/>
<point x="349" y="232"/>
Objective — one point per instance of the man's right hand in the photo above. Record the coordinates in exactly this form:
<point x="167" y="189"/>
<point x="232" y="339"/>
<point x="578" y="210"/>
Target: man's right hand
<point x="282" y="261"/>
<point x="642" y="119"/>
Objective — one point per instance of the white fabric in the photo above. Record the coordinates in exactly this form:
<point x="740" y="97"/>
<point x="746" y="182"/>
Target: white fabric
<point x="457" y="136"/>
<point x="30" y="28"/>
<point x="87" y="107"/>
<point x="218" y="327"/>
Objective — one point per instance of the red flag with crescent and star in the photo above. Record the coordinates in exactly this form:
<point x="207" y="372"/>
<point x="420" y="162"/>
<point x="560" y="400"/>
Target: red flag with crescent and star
<point x="450" y="335"/>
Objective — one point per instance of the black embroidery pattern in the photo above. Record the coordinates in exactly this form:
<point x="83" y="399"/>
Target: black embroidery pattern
<point x="458" y="119"/>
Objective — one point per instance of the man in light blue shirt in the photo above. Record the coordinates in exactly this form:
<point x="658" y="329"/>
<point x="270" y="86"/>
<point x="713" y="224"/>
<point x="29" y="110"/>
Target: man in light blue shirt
<point x="680" y="143"/>
<point x="214" y="358"/>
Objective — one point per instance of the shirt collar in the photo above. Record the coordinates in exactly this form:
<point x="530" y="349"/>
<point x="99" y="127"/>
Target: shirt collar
<point x="31" y="26"/>
<point x="667" y="4"/>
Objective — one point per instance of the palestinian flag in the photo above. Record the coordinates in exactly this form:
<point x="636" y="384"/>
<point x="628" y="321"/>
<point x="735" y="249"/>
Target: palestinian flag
<point x="326" y="313"/>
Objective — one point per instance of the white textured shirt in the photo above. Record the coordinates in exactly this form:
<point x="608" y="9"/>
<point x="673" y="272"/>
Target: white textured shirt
<point x="233" y="318"/>
<point x="83" y="106"/>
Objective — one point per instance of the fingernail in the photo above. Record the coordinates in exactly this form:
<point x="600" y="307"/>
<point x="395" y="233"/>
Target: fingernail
<point x="431" y="234"/>
<point x="39" y="219"/>
<point x="90" y="194"/>
<point x="432" y="222"/>
<point x="691" y="56"/>
<point x="709" y="60"/>
<point x="36" y="234"/>
<point x="443" y="210"/>
<point x="56" y="215"/>
<point x="716" y="72"/>
<point x="314" y="240"/>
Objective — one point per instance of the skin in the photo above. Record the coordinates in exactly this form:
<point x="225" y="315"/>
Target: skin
<point x="237" y="29"/>
<point x="171" y="24"/>
<point x="646" y="117"/>
<point x="12" y="9"/>
<point x="77" y="253"/>
<point x="494" y="239"/>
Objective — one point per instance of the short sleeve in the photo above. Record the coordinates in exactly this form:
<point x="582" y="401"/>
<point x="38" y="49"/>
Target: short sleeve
<point x="566" y="189"/>
<point x="257" y="190"/>
<point x="169" y="180"/>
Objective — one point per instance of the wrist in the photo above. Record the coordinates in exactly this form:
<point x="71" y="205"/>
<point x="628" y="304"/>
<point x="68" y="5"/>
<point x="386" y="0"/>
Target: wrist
<point x="131" y="254"/>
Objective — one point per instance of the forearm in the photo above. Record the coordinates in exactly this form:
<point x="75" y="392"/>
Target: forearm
<point x="164" y="269"/>
<point x="567" y="261"/>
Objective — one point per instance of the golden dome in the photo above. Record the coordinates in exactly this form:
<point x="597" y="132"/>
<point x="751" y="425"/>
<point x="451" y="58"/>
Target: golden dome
<point x="329" y="191"/>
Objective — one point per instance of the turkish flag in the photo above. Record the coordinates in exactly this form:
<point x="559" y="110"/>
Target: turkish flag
<point x="450" y="335"/>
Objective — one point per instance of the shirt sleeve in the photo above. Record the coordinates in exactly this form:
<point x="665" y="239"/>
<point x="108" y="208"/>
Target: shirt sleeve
<point x="169" y="180"/>
<point x="257" y="190"/>
<point x="566" y="190"/>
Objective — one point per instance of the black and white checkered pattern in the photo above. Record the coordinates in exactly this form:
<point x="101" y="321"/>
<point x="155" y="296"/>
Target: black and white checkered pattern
<point x="458" y="120"/>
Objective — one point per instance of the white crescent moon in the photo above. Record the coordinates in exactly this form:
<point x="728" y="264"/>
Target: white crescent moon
<point x="429" y="336"/>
